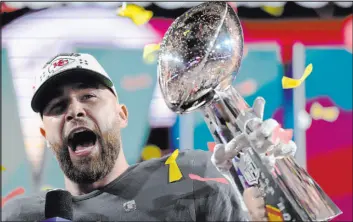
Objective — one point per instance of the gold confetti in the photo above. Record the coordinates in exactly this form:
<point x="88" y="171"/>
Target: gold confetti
<point x="186" y="32"/>
<point x="3" y="168"/>
<point x="275" y="11"/>
<point x="288" y="83"/>
<point x="149" y="53"/>
<point x="273" y="213"/>
<point x="46" y="187"/>
<point x="329" y="114"/>
<point x="151" y="151"/>
<point x="174" y="171"/>
<point x="136" y="13"/>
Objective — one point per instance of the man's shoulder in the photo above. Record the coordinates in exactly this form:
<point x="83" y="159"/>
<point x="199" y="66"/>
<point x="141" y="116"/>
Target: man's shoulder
<point x="194" y="162"/>
<point x="195" y="158"/>
<point x="24" y="207"/>
<point x="200" y="161"/>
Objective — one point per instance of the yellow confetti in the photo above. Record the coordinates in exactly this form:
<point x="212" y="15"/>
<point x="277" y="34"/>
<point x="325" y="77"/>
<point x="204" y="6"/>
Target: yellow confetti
<point x="136" y="13"/>
<point x="329" y="114"/>
<point x="46" y="187"/>
<point x="3" y="168"/>
<point x="186" y="32"/>
<point x="149" y="53"/>
<point x="174" y="171"/>
<point x="151" y="151"/>
<point x="288" y="83"/>
<point x="273" y="213"/>
<point x="275" y="11"/>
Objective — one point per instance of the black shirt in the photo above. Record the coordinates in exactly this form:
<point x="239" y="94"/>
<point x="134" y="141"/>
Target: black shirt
<point x="143" y="193"/>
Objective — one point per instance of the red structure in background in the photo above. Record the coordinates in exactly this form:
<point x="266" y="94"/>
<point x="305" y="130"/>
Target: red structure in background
<point x="336" y="32"/>
<point x="286" y="33"/>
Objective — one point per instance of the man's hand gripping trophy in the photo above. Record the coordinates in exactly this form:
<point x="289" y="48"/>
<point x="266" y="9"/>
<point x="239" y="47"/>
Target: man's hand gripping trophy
<point x="262" y="139"/>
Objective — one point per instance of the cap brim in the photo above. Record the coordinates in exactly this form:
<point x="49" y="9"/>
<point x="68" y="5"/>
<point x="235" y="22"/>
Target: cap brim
<point x="75" y="74"/>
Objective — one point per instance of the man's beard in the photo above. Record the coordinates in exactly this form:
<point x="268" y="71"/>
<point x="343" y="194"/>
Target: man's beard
<point x="92" y="168"/>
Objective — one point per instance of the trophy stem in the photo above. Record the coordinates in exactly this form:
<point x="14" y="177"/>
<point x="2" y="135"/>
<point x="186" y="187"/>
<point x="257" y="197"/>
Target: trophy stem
<point x="218" y="119"/>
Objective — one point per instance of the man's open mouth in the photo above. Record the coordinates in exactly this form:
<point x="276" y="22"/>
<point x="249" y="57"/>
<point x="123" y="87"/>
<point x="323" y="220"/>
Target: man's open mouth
<point x="81" y="139"/>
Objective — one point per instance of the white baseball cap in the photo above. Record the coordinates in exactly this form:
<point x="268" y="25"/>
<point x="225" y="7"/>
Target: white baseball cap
<point x="66" y="66"/>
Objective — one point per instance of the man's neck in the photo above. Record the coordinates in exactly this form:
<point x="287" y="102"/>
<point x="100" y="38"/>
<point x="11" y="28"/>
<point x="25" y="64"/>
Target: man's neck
<point x="79" y="189"/>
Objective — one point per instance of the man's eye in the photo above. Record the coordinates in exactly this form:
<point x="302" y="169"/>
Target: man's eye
<point x="88" y="96"/>
<point x="57" y="107"/>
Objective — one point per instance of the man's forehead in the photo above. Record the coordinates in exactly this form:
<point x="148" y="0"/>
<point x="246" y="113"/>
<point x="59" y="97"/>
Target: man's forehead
<point x="67" y="87"/>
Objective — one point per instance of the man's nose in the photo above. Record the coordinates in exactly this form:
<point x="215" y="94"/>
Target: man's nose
<point x="75" y="110"/>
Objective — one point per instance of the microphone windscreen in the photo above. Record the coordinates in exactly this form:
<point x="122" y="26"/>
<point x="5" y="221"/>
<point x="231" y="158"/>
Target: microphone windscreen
<point x="58" y="203"/>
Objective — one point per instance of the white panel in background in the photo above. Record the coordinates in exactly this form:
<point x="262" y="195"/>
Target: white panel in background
<point x="186" y="131"/>
<point x="31" y="126"/>
<point x="299" y="104"/>
<point x="23" y="86"/>
<point x="159" y="114"/>
<point x="24" y="107"/>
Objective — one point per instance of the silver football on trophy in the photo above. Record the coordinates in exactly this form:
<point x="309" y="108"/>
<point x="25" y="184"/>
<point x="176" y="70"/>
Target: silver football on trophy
<point x="201" y="51"/>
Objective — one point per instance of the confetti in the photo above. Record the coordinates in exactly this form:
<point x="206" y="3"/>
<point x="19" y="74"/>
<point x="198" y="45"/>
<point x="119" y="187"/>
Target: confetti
<point x="174" y="171"/>
<point x="46" y="187"/>
<point x="149" y="53"/>
<point x="275" y="11"/>
<point x="329" y="114"/>
<point x="136" y="13"/>
<point x="151" y="151"/>
<point x="273" y="213"/>
<point x="12" y="194"/>
<point x="288" y="83"/>
<point x="211" y="146"/>
<point x="186" y="32"/>
<point x="3" y="168"/>
<point x="197" y="177"/>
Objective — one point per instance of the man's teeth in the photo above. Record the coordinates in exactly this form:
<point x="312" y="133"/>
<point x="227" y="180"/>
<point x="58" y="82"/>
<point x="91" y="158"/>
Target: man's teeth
<point x="78" y="148"/>
<point x="74" y="133"/>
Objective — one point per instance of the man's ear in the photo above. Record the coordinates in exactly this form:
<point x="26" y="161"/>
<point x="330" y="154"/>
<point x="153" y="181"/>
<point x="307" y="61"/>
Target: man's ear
<point x="123" y="114"/>
<point x="42" y="132"/>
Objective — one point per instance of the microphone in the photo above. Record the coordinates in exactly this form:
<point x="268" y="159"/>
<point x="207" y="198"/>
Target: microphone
<point x="58" y="206"/>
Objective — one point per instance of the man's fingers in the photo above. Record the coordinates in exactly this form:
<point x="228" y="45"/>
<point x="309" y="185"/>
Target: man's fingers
<point x="218" y="154"/>
<point x="236" y="145"/>
<point x="255" y="203"/>
<point x="262" y="137"/>
<point x="259" y="215"/>
<point x="260" y="203"/>
<point x="252" y="192"/>
<point x="282" y="150"/>
<point x="268" y="127"/>
<point x="258" y="107"/>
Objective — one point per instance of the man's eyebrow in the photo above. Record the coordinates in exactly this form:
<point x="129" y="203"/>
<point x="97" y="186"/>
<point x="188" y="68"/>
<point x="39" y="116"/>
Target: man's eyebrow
<point x="85" y="86"/>
<point x="53" y="95"/>
<point x="56" y="93"/>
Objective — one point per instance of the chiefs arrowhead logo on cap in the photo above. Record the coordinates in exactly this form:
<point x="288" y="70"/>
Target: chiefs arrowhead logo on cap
<point x="59" y="63"/>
